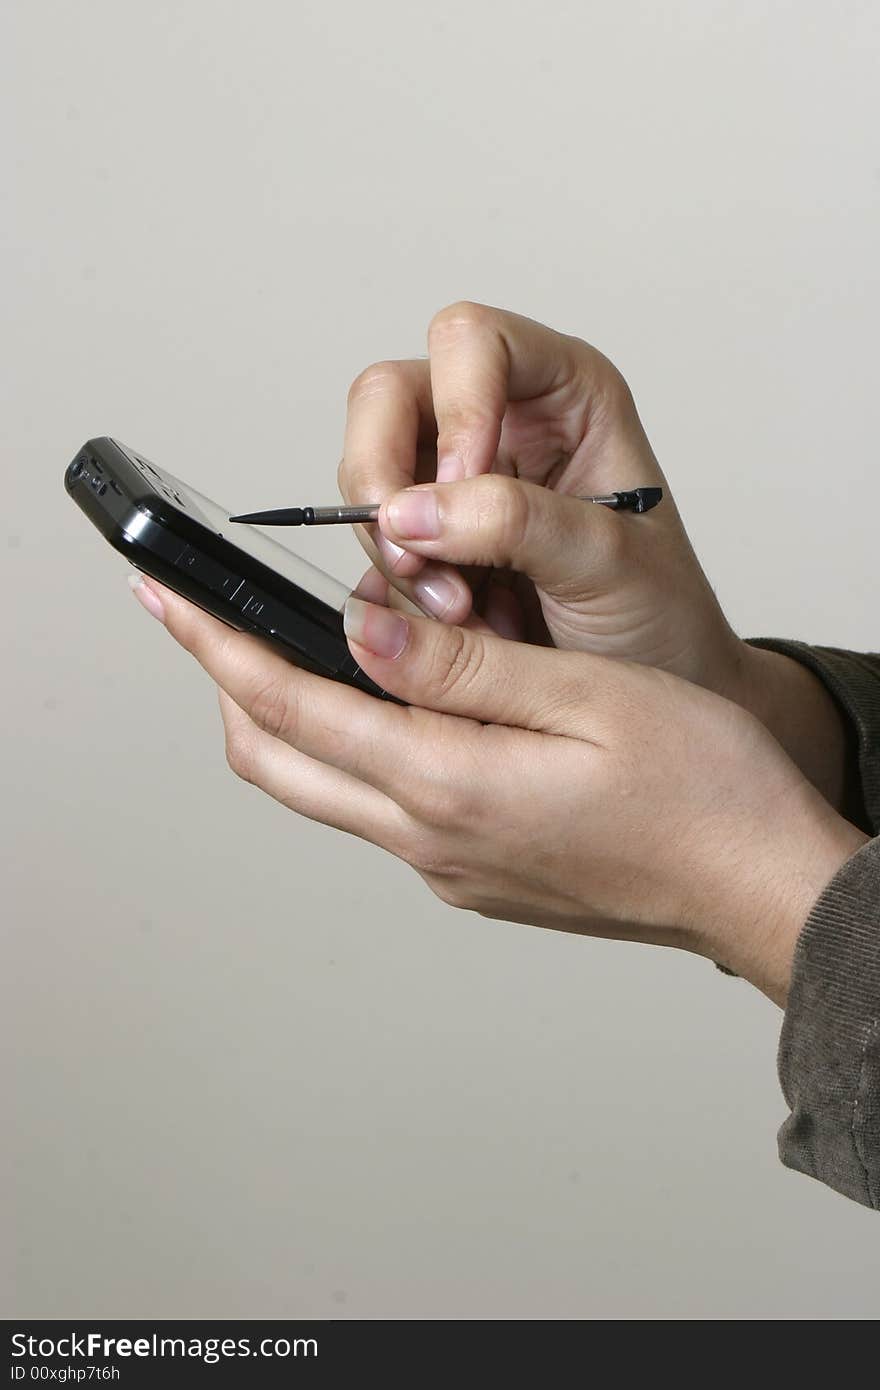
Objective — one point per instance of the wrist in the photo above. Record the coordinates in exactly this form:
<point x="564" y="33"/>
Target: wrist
<point x="755" y="680"/>
<point x="798" y="710"/>
<point x="775" y="886"/>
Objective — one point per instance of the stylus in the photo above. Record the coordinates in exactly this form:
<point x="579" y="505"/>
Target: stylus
<point x="640" y="499"/>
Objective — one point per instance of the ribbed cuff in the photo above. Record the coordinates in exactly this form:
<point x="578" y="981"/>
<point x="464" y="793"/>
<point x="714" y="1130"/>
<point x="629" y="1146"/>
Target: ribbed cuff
<point x="829" y="1050"/>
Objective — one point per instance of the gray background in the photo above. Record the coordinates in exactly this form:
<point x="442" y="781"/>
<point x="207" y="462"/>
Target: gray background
<point x="256" y="1069"/>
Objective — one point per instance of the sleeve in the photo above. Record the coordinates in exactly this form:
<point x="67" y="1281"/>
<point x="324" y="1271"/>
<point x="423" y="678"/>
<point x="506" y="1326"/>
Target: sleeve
<point x="829" y="1049"/>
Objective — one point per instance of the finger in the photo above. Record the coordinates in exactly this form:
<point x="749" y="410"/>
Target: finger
<point x="374" y="588"/>
<point x="455" y="670"/>
<point x="481" y="358"/>
<point x="389" y="412"/>
<point x="372" y="739"/>
<point x="304" y="785"/>
<point x="566" y="545"/>
<point x="439" y="590"/>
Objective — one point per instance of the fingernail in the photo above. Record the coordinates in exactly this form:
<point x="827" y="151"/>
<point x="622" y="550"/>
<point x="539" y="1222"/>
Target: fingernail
<point x="450" y="469"/>
<point x="147" y="596"/>
<point x="382" y="631"/>
<point x="413" y="514"/>
<point x="392" y="553"/>
<point x="436" y="594"/>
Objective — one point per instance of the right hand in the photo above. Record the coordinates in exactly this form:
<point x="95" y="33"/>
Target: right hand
<point x="513" y="423"/>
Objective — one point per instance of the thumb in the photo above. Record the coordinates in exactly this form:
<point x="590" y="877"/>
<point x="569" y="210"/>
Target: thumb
<point x="457" y="670"/>
<point x="564" y="544"/>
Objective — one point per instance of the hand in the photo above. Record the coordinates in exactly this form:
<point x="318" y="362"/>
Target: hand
<point x="535" y="420"/>
<point x="554" y="788"/>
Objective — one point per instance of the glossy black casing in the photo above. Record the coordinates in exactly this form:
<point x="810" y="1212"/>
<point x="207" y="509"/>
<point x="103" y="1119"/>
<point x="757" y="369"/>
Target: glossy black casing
<point x="143" y="513"/>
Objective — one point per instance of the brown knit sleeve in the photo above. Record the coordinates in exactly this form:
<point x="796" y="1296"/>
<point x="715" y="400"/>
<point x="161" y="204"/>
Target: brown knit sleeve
<point x="829" y="1050"/>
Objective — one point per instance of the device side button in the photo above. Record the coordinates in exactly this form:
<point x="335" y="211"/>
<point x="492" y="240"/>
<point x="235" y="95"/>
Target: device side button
<point x="254" y="603"/>
<point x="206" y="571"/>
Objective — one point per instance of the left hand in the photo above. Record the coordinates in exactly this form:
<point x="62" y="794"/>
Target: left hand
<point x="534" y="785"/>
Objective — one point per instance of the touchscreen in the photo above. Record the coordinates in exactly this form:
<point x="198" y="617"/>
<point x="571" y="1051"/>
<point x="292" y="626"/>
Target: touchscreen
<point x="251" y="539"/>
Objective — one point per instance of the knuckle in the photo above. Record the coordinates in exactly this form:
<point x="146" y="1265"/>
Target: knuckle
<point x="458" y="419"/>
<point x="240" y="754"/>
<point x="609" y="388"/>
<point x="616" y="393"/>
<point x="442" y="805"/>
<point x="435" y="801"/>
<point x="612" y="393"/>
<point x="374" y="380"/>
<point x="428" y="853"/>
<point x="502" y="507"/>
<point x="458" y="660"/>
<point x="272" y="707"/>
<point x="462" y="316"/>
<point x="450" y="889"/>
